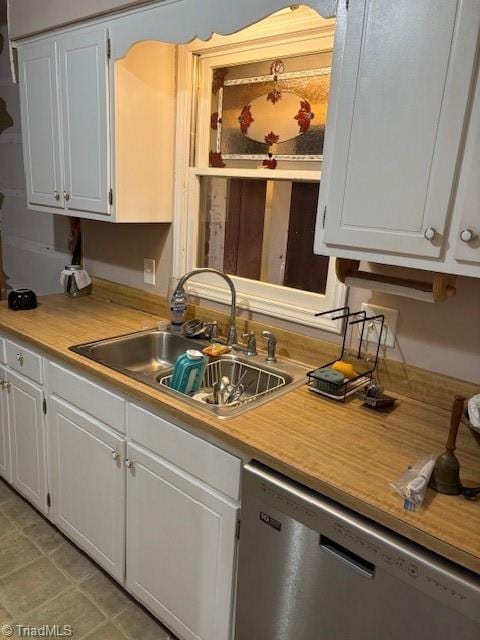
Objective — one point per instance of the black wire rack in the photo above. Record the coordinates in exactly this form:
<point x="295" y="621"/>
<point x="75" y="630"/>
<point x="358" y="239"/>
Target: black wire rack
<point x="342" y="390"/>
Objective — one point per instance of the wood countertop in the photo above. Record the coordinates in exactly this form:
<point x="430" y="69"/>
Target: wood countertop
<point x="345" y="451"/>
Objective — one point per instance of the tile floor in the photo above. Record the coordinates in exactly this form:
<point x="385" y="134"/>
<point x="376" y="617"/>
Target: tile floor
<point x="44" y="579"/>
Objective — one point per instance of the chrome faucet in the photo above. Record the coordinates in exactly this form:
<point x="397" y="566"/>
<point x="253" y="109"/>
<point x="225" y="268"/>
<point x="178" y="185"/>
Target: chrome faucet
<point x="178" y="304"/>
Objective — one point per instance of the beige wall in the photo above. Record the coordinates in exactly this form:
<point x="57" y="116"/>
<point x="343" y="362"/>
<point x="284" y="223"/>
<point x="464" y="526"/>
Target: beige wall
<point x="35" y="245"/>
<point x="441" y="337"/>
<point x="31" y="16"/>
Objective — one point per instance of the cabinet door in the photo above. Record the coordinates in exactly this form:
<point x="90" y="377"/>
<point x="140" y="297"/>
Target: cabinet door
<point x="27" y="431"/>
<point x="83" y="90"/>
<point x="180" y="548"/>
<point x="5" y="468"/>
<point x="403" y="78"/>
<point x="467" y="202"/>
<point x="88" y="485"/>
<point x="40" y="123"/>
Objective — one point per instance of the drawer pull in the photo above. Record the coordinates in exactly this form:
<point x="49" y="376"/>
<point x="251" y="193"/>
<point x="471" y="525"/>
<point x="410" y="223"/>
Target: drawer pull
<point x="115" y="455"/>
<point x="129" y="464"/>
<point x="20" y="359"/>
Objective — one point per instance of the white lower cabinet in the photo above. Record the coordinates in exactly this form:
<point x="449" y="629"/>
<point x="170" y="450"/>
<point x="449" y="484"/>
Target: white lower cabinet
<point x="27" y="432"/>
<point x="181" y="539"/>
<point x="88" y="484"/>
<point x="5" y="467"/>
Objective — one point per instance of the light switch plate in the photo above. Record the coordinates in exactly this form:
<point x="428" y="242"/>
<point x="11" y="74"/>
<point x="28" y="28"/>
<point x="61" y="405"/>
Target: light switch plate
<point x="390" y="326"/>
<point x="149" y="271"/>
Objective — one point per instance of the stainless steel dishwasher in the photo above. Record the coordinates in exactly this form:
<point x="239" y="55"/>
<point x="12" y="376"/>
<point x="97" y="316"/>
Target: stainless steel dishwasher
<point x="310" y="569"/>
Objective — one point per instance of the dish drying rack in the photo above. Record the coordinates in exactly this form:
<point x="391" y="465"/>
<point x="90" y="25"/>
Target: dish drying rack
<point x="257" y="382"/>
<point x="368" y="363"/>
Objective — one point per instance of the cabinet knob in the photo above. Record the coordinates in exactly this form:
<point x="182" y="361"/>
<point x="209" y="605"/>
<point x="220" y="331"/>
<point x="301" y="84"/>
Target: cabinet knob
<point x="5" y="385"/>
<point x="115" y="455"/>
<point x="66" y="195"/>
<point x="466" y="235"/>
<point x="19" y="357"/>
<point x="430" y="233"/>
<point x="56" y="195"/>
<point x="129" y="464"/>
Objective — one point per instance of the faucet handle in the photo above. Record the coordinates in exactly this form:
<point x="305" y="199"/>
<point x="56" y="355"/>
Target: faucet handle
<point x="271" y="346"/>
<point x="251" y="339"/>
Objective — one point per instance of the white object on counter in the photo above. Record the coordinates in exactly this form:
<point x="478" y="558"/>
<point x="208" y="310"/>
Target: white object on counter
<point x="474" y="412"/>
<point x="412" y="485"/>
<point x="82" y="279"/>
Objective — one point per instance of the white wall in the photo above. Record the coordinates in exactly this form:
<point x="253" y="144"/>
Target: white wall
<point x="34" y="244"/>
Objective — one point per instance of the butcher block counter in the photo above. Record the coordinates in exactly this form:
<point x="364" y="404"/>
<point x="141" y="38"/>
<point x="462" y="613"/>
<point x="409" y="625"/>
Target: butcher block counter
<point x="345" y="451"/>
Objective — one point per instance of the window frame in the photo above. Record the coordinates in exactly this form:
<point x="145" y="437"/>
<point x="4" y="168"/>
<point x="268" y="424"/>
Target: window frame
<point x="196" y="62"/>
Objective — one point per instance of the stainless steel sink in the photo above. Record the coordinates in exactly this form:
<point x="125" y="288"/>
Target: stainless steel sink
<point x="143" y="354"/>
<point x="149" y="356"/>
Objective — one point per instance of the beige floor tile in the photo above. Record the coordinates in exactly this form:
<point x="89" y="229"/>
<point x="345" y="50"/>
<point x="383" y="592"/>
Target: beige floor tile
<point x="5" y="617"/>
<point x="6" y="525"/>
<point x="137" y="623"/>
<point x="20" y="512"/>
<point x="73" y="562"/>
<point x="70" y="608"/>
<point x="107" y="632"/>
<point x="31" y="586"/>
<point x="6" y="492"/>
<point x="44" y="535"/>
<point x="15" y="552"/>
<point x="106" y="594"/>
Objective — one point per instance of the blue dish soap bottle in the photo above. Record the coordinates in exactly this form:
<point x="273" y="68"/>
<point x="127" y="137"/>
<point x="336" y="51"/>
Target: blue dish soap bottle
<point x="188" y="372"/>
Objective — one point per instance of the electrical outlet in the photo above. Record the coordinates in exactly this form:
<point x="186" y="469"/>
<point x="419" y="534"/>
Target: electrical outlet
<point x="149" y="271"/>
<point x="390" y="326"/>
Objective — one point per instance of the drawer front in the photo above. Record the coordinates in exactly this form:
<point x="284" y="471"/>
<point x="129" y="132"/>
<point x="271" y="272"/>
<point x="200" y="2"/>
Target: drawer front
<point x="103" y="405"/>
<point x="199" y="458"/>
<point x="24" y="361"/>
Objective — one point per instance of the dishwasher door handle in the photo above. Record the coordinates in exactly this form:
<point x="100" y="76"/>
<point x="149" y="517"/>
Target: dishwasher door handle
<point x="351" y="559"/>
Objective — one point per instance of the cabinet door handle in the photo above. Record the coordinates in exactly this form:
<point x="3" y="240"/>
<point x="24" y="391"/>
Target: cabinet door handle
<point x="466" y="235"/>
<point x="5" y="385"/>
<point x="66" y="195"/>
<point x="115" y="455"/>
<point x="56" y="195"/>
<point x="129" y="463"/>
<point x="19" y="357"/>
<point x="430" y="233"/>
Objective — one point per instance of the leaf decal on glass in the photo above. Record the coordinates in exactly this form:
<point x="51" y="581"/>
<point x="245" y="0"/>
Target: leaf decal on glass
<point x="304" y="116"/>
<point x="271" y="138"/>
<point x="216" y="160"/>
<point x="274" y="95"/>
<point x="245" y="119"/>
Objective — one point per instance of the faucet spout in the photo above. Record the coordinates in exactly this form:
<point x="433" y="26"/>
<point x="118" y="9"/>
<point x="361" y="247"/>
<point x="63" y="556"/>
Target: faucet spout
<point x="178" y="302"/>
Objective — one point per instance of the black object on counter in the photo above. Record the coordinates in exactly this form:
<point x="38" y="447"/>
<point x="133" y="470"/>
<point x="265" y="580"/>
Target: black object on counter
<point x="22" y="300"/>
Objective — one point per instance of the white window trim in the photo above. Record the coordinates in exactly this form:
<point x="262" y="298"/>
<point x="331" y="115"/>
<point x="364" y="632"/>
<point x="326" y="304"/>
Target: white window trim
<point x="273" y="300"/>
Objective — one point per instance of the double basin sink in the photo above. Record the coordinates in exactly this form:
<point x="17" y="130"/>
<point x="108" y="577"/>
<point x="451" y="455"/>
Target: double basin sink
<point x="149" y="357"/>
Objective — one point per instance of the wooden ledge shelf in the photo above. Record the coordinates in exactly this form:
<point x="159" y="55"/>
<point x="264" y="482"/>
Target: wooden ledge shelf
<point x="439" y="289"/>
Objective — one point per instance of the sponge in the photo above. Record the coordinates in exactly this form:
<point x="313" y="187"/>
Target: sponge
<point x="345" y="368"/>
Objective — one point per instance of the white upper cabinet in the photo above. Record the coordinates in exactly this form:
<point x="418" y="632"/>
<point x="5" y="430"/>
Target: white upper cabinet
<point x="64" y="105"/>
<point x="401" y="85"/>
<point x="40" y="123"/>
<point x="82" y="62"/>
<point x="467" y="203"/>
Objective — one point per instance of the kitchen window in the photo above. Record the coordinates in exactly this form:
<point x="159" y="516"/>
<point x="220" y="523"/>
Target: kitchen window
<point x="251" y="159"/>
